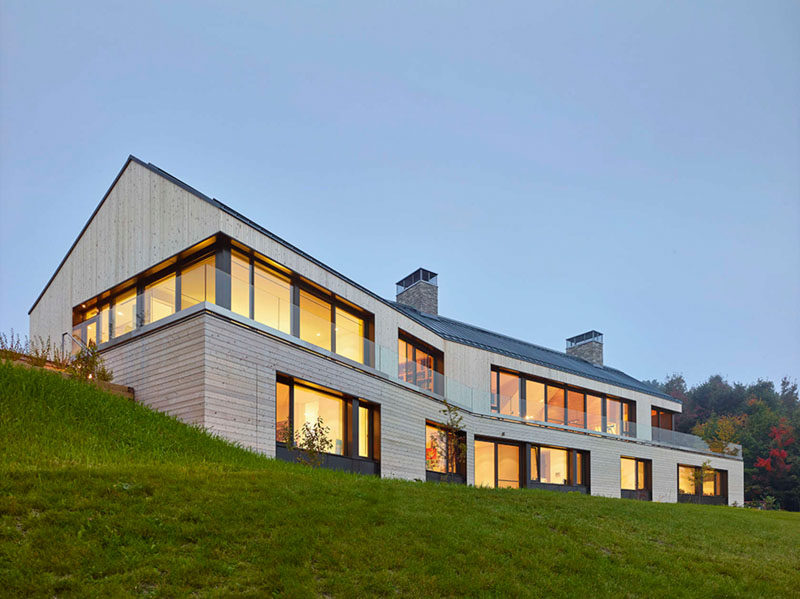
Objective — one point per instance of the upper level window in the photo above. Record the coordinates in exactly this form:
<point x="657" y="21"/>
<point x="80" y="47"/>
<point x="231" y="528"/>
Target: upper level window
<point x="420" y="364"/>
<point x="315" y="320"/>
<point x="514" y="394"/>
<point x="661" y="418"/>
<point x="159" y="299"/>
<point x="222" y="271"/>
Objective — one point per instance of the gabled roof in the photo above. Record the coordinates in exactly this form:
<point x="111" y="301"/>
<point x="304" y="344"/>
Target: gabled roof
<point x="446" y="328"/>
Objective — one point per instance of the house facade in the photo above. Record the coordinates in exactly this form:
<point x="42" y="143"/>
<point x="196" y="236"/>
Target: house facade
<point x="214" y="319"/>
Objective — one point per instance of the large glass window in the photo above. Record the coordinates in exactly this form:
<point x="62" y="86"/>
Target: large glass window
<point x="496" y="464"/>
<point x="272" y="299"/>
<point x="125" y="313"/>
<point x="554" y="466"/>
<point x="315" y="320"/>
<point x="418" y="365"/>
<point x="686" y="480"/>
<point x="310" y="404"/>
<point x="534" y="400"/>
<point x="555" y="404"/>
<point x="435" y="449"/>
<point x="159" y="299"/>
<point x="349" y="335"/>
<point x="507" y="466"/>
<point x="197" y="283"/>
<point x="575" y="412"/>
<point x="505" y="390"/>
<point x="613" y="416"/>
<point x="594" y="413"/>
<point x="627" y="474"/>
<point x="484" y="464"/>
<point x="240" y="284"/>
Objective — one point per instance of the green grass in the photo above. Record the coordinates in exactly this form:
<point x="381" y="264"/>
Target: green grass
<point x="102" y="497"/>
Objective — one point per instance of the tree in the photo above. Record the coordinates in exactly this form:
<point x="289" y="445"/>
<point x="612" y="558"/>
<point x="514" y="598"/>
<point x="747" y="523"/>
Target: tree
<point x="775" y="471"/>
<point x="311" y="443"/>
<point x="449" y="442"/>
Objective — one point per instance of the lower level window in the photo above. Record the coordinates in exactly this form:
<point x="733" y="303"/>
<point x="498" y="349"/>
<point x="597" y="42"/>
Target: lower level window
<point x="496" y="464"/>
<point x="350" y="424"/>
<point x="558" y="466"/>
<point x="699" y="481"/>
<point x="445" y="451"/>
<point x="635" y="478"/>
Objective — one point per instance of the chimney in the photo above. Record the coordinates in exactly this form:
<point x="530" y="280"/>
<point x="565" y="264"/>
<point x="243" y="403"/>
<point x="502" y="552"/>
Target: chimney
<point x="588" y="346"/>
<point x="420" y="290"/>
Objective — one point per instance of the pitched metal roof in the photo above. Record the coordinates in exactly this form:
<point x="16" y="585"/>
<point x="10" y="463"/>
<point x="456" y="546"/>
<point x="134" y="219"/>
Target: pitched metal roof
<point x="468" y="334"/>
<point x="449" y="329"/>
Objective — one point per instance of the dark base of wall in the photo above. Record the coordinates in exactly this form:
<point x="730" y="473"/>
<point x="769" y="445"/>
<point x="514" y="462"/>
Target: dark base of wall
<point x="640" y="495"/>
<point x="563" y="488"/>
<point x="333" y="462"/>
<point x="438" y="477"/>
<point x="702" y="499"/>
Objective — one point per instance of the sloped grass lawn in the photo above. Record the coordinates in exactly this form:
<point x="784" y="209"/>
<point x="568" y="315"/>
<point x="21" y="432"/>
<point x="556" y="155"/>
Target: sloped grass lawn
<point x="102" y="497"/>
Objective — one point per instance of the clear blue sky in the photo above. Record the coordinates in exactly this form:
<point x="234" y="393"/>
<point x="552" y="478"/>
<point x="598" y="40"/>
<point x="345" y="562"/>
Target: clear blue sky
<point x="629" y="167"/>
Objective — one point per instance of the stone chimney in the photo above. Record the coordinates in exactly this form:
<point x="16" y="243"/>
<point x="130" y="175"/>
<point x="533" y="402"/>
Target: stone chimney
<point x="588" y="346"/>
<point x="420" y="290"/>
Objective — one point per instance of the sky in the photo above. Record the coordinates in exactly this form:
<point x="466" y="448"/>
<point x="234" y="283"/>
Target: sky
<point x="629" y="167"/>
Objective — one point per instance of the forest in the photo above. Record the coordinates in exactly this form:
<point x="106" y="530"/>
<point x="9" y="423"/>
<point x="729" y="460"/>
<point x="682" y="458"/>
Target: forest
<point x="764" y="419"/>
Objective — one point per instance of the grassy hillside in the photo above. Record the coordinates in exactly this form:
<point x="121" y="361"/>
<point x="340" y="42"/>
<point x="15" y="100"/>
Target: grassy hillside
<point x="102" y="497"/>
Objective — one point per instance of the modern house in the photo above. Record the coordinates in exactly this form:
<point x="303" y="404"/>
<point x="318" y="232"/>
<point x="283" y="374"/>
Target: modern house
<point x="216" y="320"/>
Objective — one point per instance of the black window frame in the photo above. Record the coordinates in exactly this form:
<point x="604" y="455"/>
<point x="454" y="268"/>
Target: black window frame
<point x="459" y="475"/>
<point x="494" y="407"/>
<point x="350" y="459"/>
<point x="645" y="494"/>
<point x="438" y="362"/>
<point x="720" y="496"/>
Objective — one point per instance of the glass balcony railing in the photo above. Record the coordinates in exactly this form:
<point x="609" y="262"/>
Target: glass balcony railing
<point x="685" y="440"/>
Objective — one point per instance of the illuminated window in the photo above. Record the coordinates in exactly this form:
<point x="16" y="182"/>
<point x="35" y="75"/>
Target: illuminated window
<point x="484" y="464"/>
<point x="418" y="365"/>
<point x="125" y="313"/>
<point x="364" y="438"/>
<point x="310" y="404"/>
<point x="349" y="335"/>
<point x="159" y="299"/>
<point x="613" y="416"/>
<point x="554" y="465"/>
<point x="534" y="400"/>
<point x="575" y="413"/>
<point x="496" y="464"/>
<point x="315" y="320"/>
<point x="507" y="466"/>
<point x="686" y="480"/>
<point x="594" y="413"/>
<point x="505" y="392"/>
<point x="103" y="323"/>
<point x="534" y="463"/>
<point x="555" y="404"/>
<point x="579" y="468"/>
<point x="710" y="483"/>
<point x="282" y="424"/>
<point x="197" y="283"/>
<point x="627" y="474"/>
<point x="435" y="449"/>
<point x="661" y="419"/>
<point x="272" y="299"/>
<point x="240" y="284"/>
